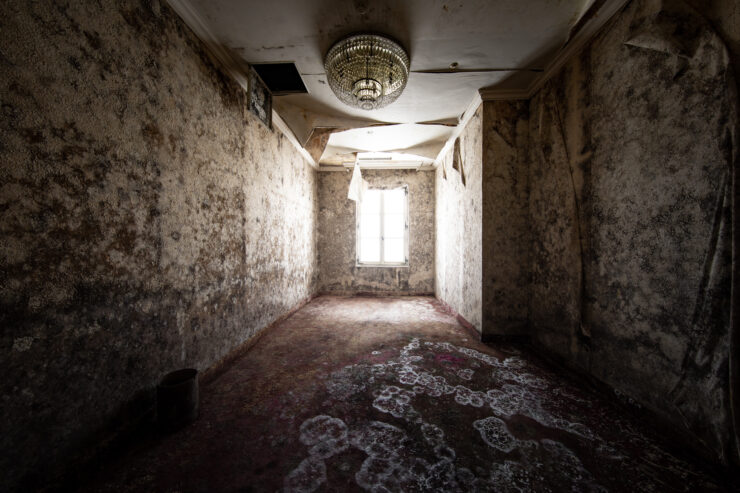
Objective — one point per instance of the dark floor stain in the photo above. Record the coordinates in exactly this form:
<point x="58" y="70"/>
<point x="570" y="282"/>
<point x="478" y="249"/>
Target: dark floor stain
<point x="357" y="393"/>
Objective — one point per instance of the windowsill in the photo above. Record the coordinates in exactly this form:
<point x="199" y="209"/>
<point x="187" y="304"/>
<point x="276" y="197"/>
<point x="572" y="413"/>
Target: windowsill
<point x="382" y="265"/>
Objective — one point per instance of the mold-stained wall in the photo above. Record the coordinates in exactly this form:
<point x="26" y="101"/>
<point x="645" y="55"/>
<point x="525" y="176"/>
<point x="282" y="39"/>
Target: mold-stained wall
<point x="149" y="221"/>
<point x="337" y="235"/>
<point x="725" y="19"/>
<point x="505" y="218"/>
<point x="632" y="147"/>
<point x="458" y="220"/>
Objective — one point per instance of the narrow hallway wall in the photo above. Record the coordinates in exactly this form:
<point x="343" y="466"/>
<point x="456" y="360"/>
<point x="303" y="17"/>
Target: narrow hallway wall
<point x="337" y="235"/>
<point x="458" y="236"/>
<point x="632" y="149"/>
<point x="148" y="221"/>
<point x="505" y="218"/>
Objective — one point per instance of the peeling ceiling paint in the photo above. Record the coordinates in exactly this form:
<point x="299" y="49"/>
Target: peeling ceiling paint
<point x="474" y="34"/>
<point x="423" y="141"/>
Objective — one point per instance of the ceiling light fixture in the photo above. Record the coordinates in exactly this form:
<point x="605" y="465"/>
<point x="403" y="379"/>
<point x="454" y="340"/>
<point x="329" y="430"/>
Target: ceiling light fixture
<point x="367" y="71"/>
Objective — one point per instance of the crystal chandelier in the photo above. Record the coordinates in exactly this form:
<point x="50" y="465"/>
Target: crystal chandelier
<point x="367" y="71"/>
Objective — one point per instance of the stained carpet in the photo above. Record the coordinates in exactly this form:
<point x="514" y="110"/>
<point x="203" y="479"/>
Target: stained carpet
<point x="392" y="394"/>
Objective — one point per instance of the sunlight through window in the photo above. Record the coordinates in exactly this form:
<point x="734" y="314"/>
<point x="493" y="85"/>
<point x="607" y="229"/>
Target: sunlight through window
<point x="382" y="228"/>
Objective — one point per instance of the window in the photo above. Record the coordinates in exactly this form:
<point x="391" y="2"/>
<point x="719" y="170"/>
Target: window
<point x="383" y="228"/>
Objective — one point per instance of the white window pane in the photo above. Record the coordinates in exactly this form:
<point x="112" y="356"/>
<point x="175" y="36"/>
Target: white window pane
<point x="370" y="226"/>
<point x="370" y="202"/>
<point x="394" y="201"/>
<point x="394" y="225"/>
<point x="394" y="250"/>
<point x="370" y="250"/>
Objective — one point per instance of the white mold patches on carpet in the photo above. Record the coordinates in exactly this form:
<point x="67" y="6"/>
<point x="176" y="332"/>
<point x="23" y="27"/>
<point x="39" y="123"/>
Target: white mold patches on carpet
<point x="514" y="427"/>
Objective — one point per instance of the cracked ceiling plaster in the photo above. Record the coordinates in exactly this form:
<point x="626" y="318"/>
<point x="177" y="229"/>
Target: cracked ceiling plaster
<point x="475" y="34"/>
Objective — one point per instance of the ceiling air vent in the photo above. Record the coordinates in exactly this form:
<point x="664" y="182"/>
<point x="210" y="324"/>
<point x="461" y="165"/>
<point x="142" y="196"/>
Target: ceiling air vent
<point x="280" y="78"/>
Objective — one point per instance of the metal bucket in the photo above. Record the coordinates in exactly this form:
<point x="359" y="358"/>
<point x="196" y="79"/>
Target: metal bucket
<point x="177" y="399"/>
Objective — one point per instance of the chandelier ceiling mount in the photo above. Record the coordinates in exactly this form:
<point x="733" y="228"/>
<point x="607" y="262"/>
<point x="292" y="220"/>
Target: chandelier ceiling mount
<point x="367" y="71"/>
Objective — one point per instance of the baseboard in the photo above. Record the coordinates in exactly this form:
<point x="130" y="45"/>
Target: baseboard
<point x="134" y="423"/>
<point x="218" y="368"/>
<point x="505" y="338"/>
<point x="470" y="328"/>
<point x="371" y="294"/>
<point x="130" y="423"/>
<point x="679" y="440"/>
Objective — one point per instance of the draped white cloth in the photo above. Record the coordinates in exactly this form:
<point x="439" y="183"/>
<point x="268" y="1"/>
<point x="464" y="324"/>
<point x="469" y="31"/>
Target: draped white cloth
<point x="357" y="186"/>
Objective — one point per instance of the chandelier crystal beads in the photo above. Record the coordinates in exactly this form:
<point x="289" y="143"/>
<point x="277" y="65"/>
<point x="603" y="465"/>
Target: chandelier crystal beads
<point x="367" y="71"/>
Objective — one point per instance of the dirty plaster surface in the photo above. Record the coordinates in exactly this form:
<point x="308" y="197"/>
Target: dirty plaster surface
<point x="391" y="394"/>
<point x="632" y="151"/>
<point x="505" y="226"/>
<point x="338" y="270"/>
<point x="458" y="225"/>
<point x="136" y="190"/>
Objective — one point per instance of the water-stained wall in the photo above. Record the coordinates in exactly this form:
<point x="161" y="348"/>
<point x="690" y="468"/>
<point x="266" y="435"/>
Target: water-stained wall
<point x="632" y="148"/>
<point x="505" y="132"/>
<point x="458" y="252"/>
<point x="725" y="19"/>
<point x="337" y="235"/>
<point x="149" y="221"/>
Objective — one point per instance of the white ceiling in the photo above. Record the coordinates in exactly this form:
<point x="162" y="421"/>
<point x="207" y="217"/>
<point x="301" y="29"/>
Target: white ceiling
<point x="422" y="142"/>
<point x="476" y="34"/>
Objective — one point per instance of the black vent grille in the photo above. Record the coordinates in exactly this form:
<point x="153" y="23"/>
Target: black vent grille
<point x="280" y="78"/>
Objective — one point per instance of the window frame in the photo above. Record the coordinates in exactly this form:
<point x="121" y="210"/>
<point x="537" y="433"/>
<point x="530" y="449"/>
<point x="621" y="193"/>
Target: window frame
<point x="358" y="216"/>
